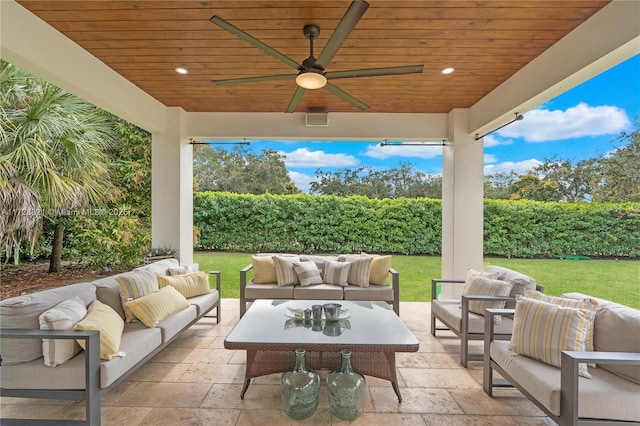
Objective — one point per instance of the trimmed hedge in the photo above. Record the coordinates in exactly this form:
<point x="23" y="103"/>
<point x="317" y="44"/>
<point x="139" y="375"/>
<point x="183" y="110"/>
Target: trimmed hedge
<point x="327" y="224"/>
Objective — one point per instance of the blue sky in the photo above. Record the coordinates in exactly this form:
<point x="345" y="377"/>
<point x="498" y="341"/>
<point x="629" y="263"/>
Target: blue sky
<point x="576" y="125"/>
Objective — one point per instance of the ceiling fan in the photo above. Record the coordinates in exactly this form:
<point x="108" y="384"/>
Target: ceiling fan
<point x="311" y="73"/>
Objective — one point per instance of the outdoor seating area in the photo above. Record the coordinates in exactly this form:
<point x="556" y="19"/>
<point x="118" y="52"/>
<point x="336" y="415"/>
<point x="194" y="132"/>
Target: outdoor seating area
<point x="195" y="380"/>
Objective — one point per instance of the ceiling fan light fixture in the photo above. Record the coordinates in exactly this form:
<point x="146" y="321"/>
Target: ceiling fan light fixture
<point x="311" y="79"/>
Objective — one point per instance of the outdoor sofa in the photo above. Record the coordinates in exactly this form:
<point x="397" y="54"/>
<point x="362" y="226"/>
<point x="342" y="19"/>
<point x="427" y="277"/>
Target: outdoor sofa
<point x="311" y="277"/>
<point x="464" y="316"/>
<point x="564" y="392"/>
<point x="110" y="354"/>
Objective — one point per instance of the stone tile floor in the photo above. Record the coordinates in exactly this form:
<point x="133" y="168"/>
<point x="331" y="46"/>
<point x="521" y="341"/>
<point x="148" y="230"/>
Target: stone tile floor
<point x="195" y="381"/>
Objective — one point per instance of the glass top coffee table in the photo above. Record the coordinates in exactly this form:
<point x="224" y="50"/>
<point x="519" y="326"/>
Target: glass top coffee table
<point x="270" y="334"/>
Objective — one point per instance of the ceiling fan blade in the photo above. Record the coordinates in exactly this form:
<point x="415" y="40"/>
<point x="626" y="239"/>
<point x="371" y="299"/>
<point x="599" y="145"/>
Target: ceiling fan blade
<point x="253" y="41"/>
<point x="255" y="79"/>
<point x="295" y="100"/>
<point x="372" y="72"/>
<point x="346" y="97"/>
<point x="342" y="31"/>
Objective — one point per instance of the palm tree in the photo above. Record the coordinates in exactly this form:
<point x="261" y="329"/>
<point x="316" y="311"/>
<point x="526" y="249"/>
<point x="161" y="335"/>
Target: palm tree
<point x="53" y="143"/>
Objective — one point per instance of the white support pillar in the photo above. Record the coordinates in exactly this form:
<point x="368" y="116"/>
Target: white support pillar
<point x="462" y="202"/>
<point x="172" y="187"/>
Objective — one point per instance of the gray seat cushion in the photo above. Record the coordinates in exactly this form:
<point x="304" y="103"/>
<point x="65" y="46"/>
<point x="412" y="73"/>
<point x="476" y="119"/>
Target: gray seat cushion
<point x="268" y="291"/>
<point x="204" y="302"/>
<point x="318" y="292"/>
<point x="380" y="293"/>
<point x="605" y="395"/>
<point x="451" y="312"/>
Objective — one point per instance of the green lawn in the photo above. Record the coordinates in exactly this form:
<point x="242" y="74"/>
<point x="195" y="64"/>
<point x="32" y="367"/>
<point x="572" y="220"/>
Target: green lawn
<point x="616" y="280"/>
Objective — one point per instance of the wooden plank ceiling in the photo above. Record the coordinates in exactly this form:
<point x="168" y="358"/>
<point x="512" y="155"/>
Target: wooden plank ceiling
<point x="486" y="42"/>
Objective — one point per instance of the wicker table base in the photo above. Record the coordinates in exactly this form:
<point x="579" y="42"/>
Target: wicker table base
<point x="269" y="352"/>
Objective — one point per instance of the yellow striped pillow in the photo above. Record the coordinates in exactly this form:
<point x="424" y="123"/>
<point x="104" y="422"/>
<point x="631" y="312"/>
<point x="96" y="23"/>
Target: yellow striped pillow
<point x="134" y="285"/>
<point x="543" y="330"/>
<point x="477" y="285"/>
<point x="588" y="304"/>
<point x="189" y="285"/>
<point x="103" y="318"/>
<point x="155" y="307"/>
<point x="285" y="272"/>
<point x="360" y="271"/>
<point x="380" y="266"/>
<point x="264" y="271"/>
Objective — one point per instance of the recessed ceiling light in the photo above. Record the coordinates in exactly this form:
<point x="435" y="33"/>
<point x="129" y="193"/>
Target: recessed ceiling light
<point x="448" y="70"/>
<point x="181" y="70"/>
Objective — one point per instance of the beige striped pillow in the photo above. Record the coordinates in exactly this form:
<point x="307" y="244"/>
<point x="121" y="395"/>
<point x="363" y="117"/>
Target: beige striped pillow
<point x="477" y="285"/>
<point x="360" y="271"/>
<point x="134" y="285"/>
<point x="285" y="272"/>
<point x="543" y="330"/>
<point x="155" y="307"/>
<point x="588" y="304"/>
<point x="188" y="285"/>
<point x="103" y="318"/>
<point x="336" y="273"/>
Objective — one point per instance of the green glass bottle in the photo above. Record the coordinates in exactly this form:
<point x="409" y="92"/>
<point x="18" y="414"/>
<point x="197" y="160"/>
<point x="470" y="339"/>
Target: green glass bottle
<point x="347" y="389"/>
<point x="300" y="389"/>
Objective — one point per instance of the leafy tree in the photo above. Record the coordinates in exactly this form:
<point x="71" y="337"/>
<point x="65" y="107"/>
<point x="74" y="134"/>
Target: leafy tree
<point x="574" y="183"/>
<point x="241" y="171"/>
<point x="403" y="181"/>
<point x="621" y="170"/>
<point x="531" y="187"/>
<point x="53" y="143"/>
<point x="498" y="186"/>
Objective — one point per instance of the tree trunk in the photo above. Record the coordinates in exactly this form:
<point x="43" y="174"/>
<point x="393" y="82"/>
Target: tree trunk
<point x="56" y="250"/>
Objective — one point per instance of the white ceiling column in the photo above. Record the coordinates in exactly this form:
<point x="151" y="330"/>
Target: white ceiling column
<point x="172" y="187"/>
<point x="462" y="202"/>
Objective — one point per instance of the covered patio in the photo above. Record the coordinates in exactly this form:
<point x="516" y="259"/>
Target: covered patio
<point x="509" y="57"/>
<point x="196" y="381"/>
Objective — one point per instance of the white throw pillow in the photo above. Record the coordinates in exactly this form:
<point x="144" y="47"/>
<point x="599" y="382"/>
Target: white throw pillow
<point x="63" y="316"/>
<point x="307" y="273"/>
<point x="337" y="273"/>
<point x="183" y="270"/>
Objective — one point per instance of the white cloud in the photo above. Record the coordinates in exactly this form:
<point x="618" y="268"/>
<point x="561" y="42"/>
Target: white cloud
<point x="410" y="151"/>
<point x="519" y="167"/>
<point x="541" y="125"/>
<point x="304" y="158"/>
<point x="491" y="141"/>
<point x="490" y="158"/>
<point x="301" y="180"/>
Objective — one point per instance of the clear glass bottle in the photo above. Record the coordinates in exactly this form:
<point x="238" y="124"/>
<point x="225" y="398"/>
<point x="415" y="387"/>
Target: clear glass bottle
<point x="347" y="389"/>
<point x="300" y="389"/>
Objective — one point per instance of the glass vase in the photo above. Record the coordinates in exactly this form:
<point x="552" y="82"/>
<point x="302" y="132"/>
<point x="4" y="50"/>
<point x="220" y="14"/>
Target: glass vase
<point x="300" y="389"/>
<point x="347" y="389"/>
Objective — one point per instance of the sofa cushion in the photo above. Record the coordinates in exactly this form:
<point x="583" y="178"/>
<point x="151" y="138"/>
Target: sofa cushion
<point x="134" y="285"/>
<point x="359" y="272"/>
<point x="543" y="330"/>
<point x="160" y="267"/>
<point x="473" y="272"/>
<point x="380" y="266"/>
<point x="24" y="312"/>
<point x="63" y="316"/>
<point x="336" y="273"/>
<point x="285" y="273"/>
<point x="318" y="292"/>
<point x="605" y="395"/>
<point x="381" y="293"/>
<point x="157" y="306"/>
<point x="107" y="321"/>
<point x="307" y="273"/>
<point x="320" y="261"/>
<point x="188" y="285"/>
<point x="519" y="281"/>
<point x="205" y="302"/>
<point x="477" y="285"/>
<point x="268" y="291"/>
<point x="173" y="324"/>
<point x="450" y="312"/>
<point x="616" y="330"/>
